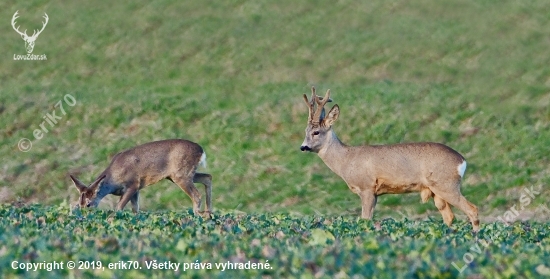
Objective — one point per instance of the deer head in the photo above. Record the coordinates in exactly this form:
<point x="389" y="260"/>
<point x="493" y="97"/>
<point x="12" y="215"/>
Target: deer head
<point x="318" y="127"/>
<point x="29" y="41"/>
<point x="88" y="194"/>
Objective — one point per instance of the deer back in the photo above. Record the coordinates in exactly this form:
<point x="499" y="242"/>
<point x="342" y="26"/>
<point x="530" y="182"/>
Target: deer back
<point x="396" y="168"/>
<point x="154" y="161"/>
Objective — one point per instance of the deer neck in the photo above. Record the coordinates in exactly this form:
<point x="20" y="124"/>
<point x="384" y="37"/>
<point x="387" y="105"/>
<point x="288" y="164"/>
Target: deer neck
<point x="333" y="153"/>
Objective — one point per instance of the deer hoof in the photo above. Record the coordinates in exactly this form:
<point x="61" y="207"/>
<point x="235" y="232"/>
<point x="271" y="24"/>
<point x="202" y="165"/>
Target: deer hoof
<point x="206" y="214"/>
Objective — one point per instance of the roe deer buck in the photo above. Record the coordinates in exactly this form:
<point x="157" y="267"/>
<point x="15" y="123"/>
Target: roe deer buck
<point x="131" y="170"/>
<point x="433" y="169"/>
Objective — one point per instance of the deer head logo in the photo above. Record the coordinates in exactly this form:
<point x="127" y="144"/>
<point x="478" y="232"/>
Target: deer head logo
<point x="29" y="41"/>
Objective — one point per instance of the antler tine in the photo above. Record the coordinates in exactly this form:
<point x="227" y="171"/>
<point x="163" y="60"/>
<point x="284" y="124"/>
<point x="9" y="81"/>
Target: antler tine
<point x="310" y="108"/>
<point x="43" y="25"/>
<point x="320" y="106"/>
<point x="319" y="99"/>
<point x="45" y="22"/>
<point x="13" y="19"/>
<point x="310" y="103"/>
<point x="313" y="95"/>
<point x="322" y="101"/>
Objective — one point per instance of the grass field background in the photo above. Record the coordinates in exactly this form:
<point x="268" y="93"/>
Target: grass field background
<point x="230" y="76"/>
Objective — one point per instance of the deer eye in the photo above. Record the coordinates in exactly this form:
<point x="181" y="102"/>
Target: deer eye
<point x="316" y="133"/>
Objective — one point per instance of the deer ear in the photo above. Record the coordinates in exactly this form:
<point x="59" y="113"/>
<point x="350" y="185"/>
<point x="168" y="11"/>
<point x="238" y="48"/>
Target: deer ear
<point x="79" y="185"/>
<point x="94" y="184"/>
<point x="332" y="116"/>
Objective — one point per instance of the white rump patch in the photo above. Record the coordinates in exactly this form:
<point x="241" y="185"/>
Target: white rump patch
<point x="462" y="168"/>
<point x="202" y="162"/>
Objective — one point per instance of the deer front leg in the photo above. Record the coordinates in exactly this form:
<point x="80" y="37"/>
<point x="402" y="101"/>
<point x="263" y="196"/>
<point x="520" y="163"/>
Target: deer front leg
<point x="134" y="200"/>
<point x="128" y="194"/>
<point x="368" y="202"/>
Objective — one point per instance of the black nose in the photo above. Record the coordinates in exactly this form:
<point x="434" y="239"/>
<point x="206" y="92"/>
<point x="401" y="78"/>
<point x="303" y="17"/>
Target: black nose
<point x="305" y="148"/>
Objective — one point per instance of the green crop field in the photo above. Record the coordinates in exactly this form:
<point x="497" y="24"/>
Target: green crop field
<point x="273" y="245"/>
<point x="230" y="76"/>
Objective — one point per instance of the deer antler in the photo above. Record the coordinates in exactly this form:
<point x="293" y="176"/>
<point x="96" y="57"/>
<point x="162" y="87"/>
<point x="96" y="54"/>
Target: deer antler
<point x="319" y="99"/>
<point x="315" y="116"/>
<point x="43" y="26"/>
<point x="17" y="28"/>
<point x="320" y="112"/>
<point x="35" y="33"/>
<point x="310" y="104"/>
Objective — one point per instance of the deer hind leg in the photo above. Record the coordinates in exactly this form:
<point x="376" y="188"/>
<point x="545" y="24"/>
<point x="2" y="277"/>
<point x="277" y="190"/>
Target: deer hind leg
<point x="368" y="202"/>
<point x="206" y="180"/>
<point x="443" y="207"/>
<point x="186" y="184"/>
<point x="445" y="210"/>
<point x="455" y="198"/>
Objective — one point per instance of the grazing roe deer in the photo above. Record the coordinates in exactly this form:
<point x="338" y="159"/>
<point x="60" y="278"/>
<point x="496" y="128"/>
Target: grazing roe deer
<point x="131" y="170"/>
<point x="433" y="169"/>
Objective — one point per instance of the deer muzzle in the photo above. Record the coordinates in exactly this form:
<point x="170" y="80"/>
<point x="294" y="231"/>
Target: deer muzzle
<point x="93" y="203"/>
